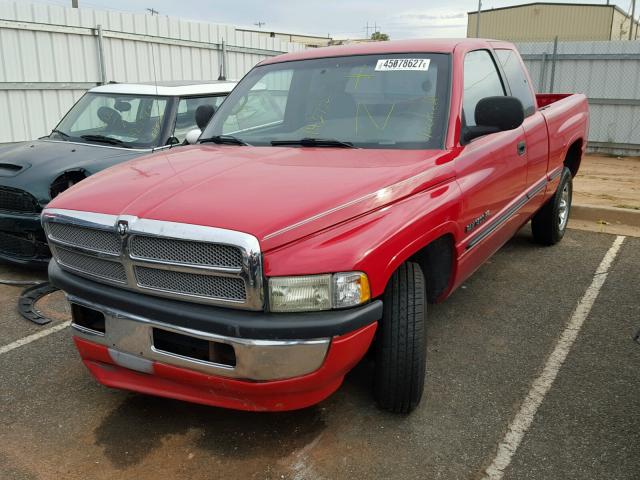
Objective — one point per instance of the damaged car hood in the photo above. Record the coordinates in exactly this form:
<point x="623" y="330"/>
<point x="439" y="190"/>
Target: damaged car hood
<point x="34" y="165"/>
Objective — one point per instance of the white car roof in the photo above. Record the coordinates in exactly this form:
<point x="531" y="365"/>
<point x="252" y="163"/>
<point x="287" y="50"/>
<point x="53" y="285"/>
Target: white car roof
<point x="177" y="89"/>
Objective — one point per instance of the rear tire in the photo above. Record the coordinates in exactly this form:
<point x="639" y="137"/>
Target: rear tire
<point x="550" y="222"/>
<point x="401" y="346"/>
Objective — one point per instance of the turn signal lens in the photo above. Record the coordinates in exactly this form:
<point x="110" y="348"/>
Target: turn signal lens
<point x="350" y="289"/>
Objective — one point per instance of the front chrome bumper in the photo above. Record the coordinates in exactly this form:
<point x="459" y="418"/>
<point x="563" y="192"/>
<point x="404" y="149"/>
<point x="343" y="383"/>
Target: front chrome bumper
<point x="130" y="341"/>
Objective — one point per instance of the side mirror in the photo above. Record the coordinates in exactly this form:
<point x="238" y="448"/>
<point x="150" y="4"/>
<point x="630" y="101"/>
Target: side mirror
<point x="495" y="114"/>
<point x="193" y="136"/>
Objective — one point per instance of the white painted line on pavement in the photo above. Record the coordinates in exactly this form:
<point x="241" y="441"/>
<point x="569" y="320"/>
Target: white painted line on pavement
<point x="34" y="337"/>
<point x="541" y="385"/>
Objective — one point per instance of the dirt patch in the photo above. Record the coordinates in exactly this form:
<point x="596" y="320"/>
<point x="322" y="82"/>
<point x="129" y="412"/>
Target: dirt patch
<point x="608" y="181"/>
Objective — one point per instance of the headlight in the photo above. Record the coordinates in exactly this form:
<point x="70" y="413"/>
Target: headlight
<point x="318" y="292"/>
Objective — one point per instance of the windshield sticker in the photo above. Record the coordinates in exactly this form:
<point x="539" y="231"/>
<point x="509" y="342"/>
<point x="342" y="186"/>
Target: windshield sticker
<point x="391" y="64"/>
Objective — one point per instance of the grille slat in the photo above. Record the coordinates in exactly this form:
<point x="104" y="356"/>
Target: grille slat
<point x="92" y="239"/>
<point x="185" y="251"/>
<point x="15" y="245"/>
<point x="14" y="200"/>
<point x="89" y="265"/>
<point x="225" y="288"/>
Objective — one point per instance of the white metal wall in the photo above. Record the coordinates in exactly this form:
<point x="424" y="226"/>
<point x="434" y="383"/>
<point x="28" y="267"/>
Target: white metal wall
<point x="607" y="73"/>
<point x="49" y="56"/>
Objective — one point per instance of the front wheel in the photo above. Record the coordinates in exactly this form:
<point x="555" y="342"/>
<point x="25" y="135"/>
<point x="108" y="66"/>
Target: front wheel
<point x="550" y="222"/>
<point x="401" y="344"/>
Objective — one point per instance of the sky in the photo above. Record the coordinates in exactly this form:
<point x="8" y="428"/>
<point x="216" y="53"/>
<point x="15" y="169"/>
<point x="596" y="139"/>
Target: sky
<point x="338" y="19"/>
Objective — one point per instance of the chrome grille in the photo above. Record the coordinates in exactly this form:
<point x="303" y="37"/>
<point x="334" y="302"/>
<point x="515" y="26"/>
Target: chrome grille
<point x="92" y="239"/>
<point x="192" y="283"/>
<point x="108" y="270"/>
<point x="181" y="261"/>
<point x="184" y="251"/>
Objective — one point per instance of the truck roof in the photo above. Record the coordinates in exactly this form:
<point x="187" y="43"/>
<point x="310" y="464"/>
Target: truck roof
<point x="425" y="45"/>
<point x="174" y="88"/>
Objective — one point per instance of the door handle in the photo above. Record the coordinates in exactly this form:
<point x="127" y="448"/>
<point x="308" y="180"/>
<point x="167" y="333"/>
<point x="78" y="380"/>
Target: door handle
<point x="522" y="148"/>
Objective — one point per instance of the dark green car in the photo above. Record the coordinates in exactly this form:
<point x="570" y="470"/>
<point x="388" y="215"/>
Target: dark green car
<point x="110" y="124"/>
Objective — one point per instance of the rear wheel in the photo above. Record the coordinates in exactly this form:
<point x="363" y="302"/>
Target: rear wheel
<point x="550" y="222"/>
<point x="401" y="344"/>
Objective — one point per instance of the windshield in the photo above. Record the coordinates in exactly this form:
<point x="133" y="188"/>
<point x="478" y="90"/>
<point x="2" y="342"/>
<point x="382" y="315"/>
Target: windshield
<point x="370" y="101"/>
<point x="130" y="121"/>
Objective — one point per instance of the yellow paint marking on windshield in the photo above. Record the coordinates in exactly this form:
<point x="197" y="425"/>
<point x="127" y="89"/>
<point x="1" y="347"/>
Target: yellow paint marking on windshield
<point x="359" y="76"/>
<point x="386" y="120"/>
<point x="316" y="118"/>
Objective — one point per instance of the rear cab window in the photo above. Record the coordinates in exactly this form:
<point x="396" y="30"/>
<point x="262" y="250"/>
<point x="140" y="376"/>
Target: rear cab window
<point x="517" y="79"/>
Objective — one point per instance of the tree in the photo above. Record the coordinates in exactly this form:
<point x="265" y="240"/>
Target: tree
<point x="380" y="37"/>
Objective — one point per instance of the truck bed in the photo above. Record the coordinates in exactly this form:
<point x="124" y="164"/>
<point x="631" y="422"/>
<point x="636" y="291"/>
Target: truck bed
<point x="546" y="99"/>
<point x="567" y="119"/>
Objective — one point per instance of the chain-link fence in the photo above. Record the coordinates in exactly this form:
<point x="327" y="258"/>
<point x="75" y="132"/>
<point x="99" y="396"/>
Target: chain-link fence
<point x="608" y="73"/>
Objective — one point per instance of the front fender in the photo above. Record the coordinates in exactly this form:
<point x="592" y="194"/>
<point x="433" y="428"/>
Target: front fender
<point x="375" y="243"/>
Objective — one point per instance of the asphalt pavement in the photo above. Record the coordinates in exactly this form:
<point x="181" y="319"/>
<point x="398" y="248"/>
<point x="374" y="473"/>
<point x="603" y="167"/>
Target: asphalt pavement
<point x="487" y="345"/>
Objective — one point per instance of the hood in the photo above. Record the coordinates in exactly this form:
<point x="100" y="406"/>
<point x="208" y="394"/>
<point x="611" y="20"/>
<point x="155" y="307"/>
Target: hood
<point x="277" y="194"/>
<point x="32" y="166"/>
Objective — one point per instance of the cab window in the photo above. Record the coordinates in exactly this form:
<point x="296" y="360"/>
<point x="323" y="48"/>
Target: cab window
<point x="481" y="80"/>
<point x="517" y="79"/>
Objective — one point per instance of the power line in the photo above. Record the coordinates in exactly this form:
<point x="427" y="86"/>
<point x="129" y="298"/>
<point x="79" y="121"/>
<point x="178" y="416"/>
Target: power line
<point x="373" y="27"/>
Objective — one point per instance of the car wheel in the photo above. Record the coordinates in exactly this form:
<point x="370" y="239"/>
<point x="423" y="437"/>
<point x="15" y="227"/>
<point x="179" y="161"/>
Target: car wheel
<point x="550" y="222"/>
<point x="400" y="357"/>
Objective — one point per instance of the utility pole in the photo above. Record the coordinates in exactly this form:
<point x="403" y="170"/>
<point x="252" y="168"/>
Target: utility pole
<point x="74" y="3"/>
<point x="152" y="11"/>
<point x="633" y="18"/>
<point x="366" y="30"/>
<point x="478" y="19"/>
<point x="259" y="24"/>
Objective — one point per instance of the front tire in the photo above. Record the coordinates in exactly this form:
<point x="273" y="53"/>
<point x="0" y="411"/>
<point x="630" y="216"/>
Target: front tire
<point x="401" y="346"/>
<point x="550" y="222"/>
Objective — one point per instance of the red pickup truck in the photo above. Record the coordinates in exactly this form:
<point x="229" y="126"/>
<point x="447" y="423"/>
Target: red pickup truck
<point x="335" y="193"/>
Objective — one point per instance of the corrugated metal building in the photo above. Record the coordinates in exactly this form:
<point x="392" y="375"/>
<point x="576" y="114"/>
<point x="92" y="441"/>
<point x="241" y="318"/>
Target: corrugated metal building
<point x="544" y="21"/>
<point x="50" y="55"/>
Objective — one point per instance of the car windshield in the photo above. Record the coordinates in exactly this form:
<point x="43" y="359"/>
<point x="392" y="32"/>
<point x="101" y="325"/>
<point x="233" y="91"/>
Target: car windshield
<point x="367" y="101"/>
<point x="129" y="121"/>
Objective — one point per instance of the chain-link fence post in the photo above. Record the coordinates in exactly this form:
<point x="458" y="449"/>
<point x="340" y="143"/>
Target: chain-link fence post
<point x="543" y="73"/>
<point x="554" y="59"/>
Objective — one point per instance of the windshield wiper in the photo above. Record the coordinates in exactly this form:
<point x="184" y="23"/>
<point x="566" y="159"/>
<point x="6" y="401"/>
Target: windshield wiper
<point x="224" y="139"/>
<point x="105" y="139"/>
<point x="61" y="133"/>
<point x="315" y="142"/>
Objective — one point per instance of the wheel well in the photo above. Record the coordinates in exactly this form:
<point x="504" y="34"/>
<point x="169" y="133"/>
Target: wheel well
<point x="66" y="180"/>
<point x="436" y="261"/>
<point x="573" y="158"/>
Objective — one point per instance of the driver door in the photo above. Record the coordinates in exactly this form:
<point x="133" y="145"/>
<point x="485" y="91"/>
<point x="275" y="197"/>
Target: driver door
<point x="491" y="170"/>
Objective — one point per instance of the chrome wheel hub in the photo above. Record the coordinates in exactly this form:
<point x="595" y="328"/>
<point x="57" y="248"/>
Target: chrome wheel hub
<point x="563" y="208"/>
